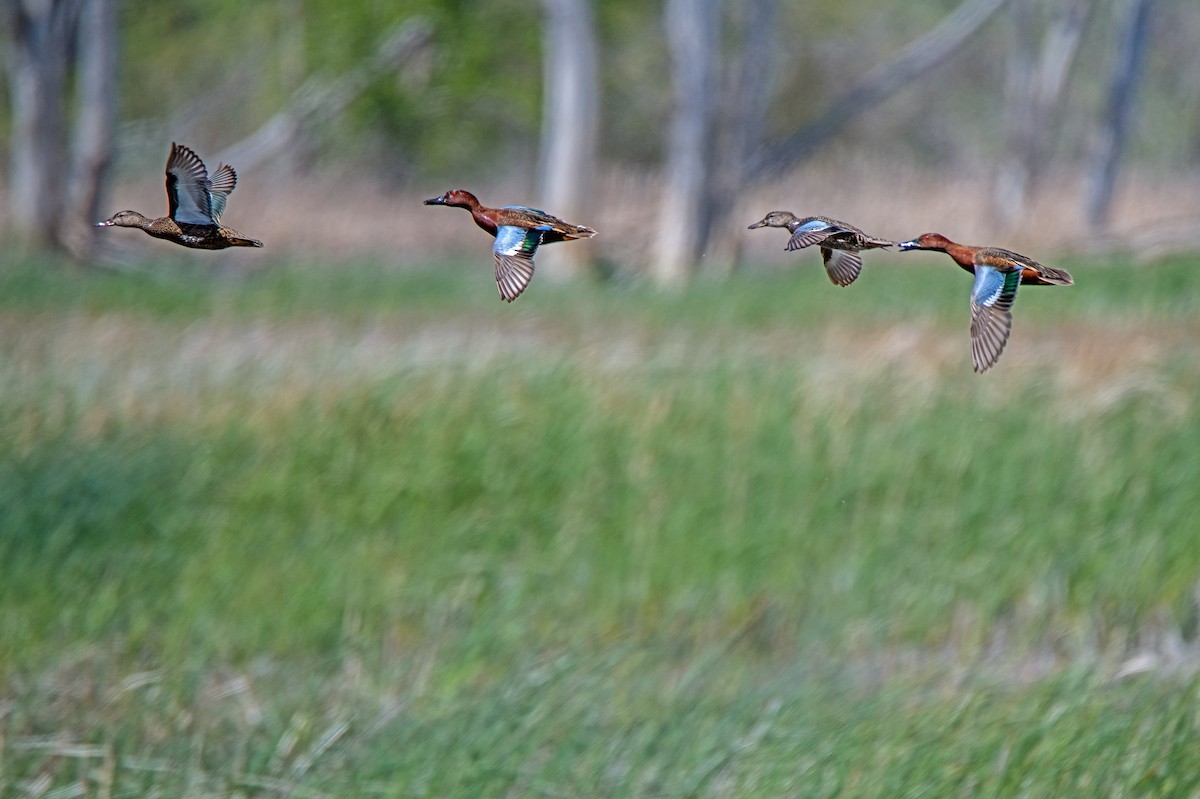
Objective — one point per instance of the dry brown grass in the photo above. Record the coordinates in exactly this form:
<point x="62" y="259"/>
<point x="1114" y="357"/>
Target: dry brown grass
<point x="124" y="369"/>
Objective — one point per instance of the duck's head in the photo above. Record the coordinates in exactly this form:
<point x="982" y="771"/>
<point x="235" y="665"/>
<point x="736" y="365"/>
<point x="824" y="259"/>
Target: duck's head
<point x="926" y="241"/>
<point x="460" y="198"/>
<point x="775" y="219"/>
<point x="125" y="219"/>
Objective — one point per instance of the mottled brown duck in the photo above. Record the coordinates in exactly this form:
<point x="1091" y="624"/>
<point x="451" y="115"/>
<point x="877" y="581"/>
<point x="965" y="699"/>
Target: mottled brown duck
<point x="840" y="242"/>
<point x="195" y="203"/>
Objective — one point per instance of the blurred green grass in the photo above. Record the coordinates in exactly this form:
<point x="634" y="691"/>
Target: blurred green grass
<point x="894" y="286"/>
<point x="761" y="537"/>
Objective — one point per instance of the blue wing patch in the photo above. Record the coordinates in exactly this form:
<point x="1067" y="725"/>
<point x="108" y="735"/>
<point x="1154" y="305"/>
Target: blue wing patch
<point x="512" y="240"/>
<point x="993" y="287"/>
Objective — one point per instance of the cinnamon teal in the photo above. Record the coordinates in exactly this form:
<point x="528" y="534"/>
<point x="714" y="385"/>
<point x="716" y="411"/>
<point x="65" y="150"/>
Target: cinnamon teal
<point x="840" y="243"/>
<point x="195" y="203"/>
<point x="998" y="273"/>
<point x="519" y="231"/>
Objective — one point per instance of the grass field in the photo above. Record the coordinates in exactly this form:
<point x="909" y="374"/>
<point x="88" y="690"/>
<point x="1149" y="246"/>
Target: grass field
<point x="347" y="531"/>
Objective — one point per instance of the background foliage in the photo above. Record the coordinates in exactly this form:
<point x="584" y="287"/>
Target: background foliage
<point x="477" y="100"/>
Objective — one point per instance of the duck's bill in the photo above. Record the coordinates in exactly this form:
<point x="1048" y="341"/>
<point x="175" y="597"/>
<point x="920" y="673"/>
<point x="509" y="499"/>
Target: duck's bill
<point x="758" y="224"/>
<point x="105" y="223"/>
<point x="911" y="244"/>
<point x="436" y="200"/>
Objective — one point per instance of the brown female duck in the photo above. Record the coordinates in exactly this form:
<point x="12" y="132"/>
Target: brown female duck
<point x="519" y="231"/>
<point x="194" y="206"/>
<point x="840" y="243"/>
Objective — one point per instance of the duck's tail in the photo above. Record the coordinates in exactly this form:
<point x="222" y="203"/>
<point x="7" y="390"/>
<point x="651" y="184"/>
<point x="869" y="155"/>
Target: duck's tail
<point x="1049" y="276"/>
<point x="577" y="232"/>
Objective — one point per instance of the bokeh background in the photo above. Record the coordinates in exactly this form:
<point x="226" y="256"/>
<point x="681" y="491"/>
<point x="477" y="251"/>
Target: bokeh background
<point x="329" y="519"/>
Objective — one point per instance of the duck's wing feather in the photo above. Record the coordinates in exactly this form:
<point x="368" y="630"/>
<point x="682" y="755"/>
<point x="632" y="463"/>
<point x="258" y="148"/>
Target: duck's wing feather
<point x="188" y="198"/>
<point x="806" y="238"/>
<point x="222" y="182"/>
<point x="1034" y="272"/>
<point x="553" y="228"/>
<point x="998" y="256"/>
<point x="532" y="211"/>
<point x="812" y="230"/>
<point x="842" y="266"/>
<point x="513" y="252"/>
<point x="991" y="314"/>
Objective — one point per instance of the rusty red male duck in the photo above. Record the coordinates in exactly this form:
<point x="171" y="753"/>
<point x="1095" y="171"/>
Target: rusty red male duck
<point x="519" y="231"/>
<point x="840" y="242"/>
<point x="998" y="274"/>
<point x="195" y="203"/>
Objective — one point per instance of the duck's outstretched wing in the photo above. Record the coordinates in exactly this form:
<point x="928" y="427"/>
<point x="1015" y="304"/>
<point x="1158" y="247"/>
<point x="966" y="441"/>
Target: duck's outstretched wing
<point x="188" y="198"/>
<point x="808" y="236"/>
<point x="991" y="314"/>
<point x="513" y="251"/>
<point x="220" y="185"/>
<point x="842" y="266"/>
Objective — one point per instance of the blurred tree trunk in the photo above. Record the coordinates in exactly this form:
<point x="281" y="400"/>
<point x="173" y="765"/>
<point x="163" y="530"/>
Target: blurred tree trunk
<point x="1122" y="90"/>
<point x="570" y="116"/>
<point x="95" y="128"/>
<point x="58" y="175"/>
<point x="880" y="83"/>
<point x="746" y="101"/>
<point x="685" y="205"/>
<point x="40" y="36"/>
<point x="1035" y="85"/>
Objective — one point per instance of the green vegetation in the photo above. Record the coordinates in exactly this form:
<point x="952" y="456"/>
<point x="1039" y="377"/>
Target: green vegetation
<point x="476" y="98"/>
<point x="362" y="532"/>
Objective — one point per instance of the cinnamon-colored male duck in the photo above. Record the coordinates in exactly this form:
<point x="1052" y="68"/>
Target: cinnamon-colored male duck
<point x="195" y="203"/>
<point x="998" y="273"/>
<point x="840" y="242"/>
<point x="519" y="231"/>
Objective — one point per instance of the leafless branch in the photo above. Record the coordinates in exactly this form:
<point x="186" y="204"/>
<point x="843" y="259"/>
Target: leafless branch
<point x="880" y="83"/>
<point x="321" y="98"/>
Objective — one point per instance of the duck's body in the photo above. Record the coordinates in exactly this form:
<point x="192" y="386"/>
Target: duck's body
<point x="197" y="237"/>
<point x="518" y="231"/>
<point x="998" y="273"/>
<point x="194" y="206"/>
<point x="968" y="257"/>
<point x="840" y="242"/>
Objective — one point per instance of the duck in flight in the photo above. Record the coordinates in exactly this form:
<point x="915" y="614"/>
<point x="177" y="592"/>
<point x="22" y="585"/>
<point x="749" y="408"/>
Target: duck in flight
<point x="840" y="242"/>
<point x="998" y="273"/>
<point x="195" y="203"/>
<point x="519" y="231"/>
